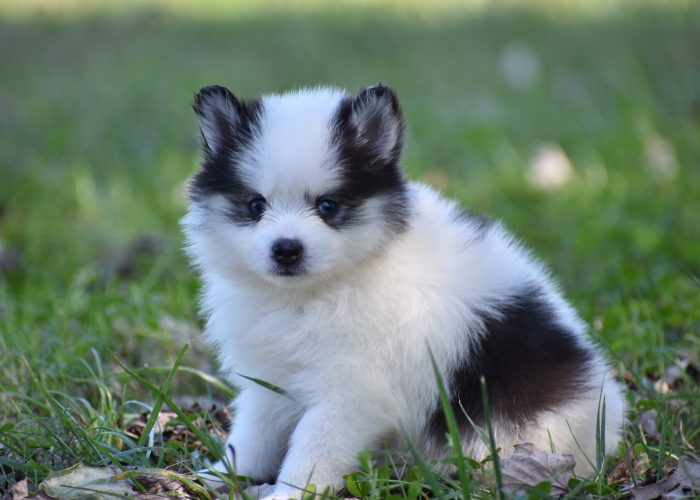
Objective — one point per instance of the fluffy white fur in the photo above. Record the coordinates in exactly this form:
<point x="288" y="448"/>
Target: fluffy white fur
<point x="348" y="339"/>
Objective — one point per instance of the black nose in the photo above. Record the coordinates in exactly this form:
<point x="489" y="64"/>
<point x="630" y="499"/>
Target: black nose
<point x="287" y="252"/>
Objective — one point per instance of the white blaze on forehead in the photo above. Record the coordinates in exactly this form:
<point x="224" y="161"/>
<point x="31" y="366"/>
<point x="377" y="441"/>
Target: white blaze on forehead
<point x="292" y="153"/>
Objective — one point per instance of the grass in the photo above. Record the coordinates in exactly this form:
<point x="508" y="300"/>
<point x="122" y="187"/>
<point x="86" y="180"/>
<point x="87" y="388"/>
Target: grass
<point x="97" y="138"/>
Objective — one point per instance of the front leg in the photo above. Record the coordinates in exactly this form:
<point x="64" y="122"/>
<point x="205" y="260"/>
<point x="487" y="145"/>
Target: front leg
<point x="262" y="423"/>
<point x="326" y="443"/>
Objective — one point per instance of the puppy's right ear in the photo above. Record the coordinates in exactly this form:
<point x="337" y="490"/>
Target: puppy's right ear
<point x="219" y="114"/>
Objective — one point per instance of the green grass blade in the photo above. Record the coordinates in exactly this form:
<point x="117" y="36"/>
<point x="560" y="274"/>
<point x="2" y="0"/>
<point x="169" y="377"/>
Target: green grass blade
<point x="160" y="399"/>
<point x="263" y="383"/>
<point x="67" y="421"/>
<point x="203" y="437"/>
<point x="580" y="448"/>
<point x="426" y="469"/>
<point x="600" y="438"/>
<point x="454" y="433"/>
<point x="206" y="377"/>
<point x="186" y="481"/>
<point x="492" y="440"/>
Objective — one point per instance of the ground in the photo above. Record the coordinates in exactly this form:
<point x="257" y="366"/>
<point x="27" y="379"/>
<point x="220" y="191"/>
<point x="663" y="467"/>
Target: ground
<point x="576" y="123"/>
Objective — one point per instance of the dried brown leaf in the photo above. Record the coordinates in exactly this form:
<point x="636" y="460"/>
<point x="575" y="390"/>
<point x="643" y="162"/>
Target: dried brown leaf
<point x="166" y="483"/>
<point x="529" y="466"/>
<point x="632" y="467"/>
<point x="683" y="482"/>
<point x="81" y="481"/>
<point x="173" y="431"/>
<point x="20" y="490"/>
<point x="648" y="421"/>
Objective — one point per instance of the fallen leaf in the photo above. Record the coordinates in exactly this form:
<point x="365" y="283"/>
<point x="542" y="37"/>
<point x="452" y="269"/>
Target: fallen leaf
<point x="648" y="421"/>
<point x="137" y="426"/>
<point x="631" y="468"/>
<point x="166" y="483"/>
<point x="20" y="490"/>
<point x="662" y="387"/>
<point x="683" y="482"/>
<point x="529" y="466"/>
<point x="216" y="419"/>
<point x="81" y="481"/>
<point x="674" y="373"/>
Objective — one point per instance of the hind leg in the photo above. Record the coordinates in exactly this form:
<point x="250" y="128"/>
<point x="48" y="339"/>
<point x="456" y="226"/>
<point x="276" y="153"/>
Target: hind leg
<point x="572" y="428"/>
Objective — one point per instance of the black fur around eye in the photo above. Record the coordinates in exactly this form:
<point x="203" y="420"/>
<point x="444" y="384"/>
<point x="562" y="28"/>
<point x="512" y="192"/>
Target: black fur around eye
<point x="257" y="206"/>
<point x="327" y="207"/>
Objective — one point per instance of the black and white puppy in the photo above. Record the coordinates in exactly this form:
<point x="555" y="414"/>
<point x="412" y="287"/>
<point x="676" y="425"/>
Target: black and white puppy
<point x="330" y="275"/>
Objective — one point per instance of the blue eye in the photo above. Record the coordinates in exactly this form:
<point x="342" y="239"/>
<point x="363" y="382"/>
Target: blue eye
<point x="257" y="206"/>
<point x="327" y="207"/>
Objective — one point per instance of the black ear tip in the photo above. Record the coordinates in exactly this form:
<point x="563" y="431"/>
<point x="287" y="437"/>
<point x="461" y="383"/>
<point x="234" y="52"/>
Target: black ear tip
<point x="212" y="93"/>
<point x="379" y="90"/>
<point x="378" y="93"/>
<point x="374" y="90"/>
<point x="214" y="90"/>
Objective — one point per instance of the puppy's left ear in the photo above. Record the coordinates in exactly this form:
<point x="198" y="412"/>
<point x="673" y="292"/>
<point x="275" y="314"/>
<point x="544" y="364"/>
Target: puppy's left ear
<point x="378" y="122"/>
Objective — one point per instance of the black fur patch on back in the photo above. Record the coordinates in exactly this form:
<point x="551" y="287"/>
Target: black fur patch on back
<point x="530" y="362"/>
<point x="364" y="174"/>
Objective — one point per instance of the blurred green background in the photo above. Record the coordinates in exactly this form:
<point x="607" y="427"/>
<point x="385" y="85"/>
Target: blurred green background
<point x="577" y="123"/>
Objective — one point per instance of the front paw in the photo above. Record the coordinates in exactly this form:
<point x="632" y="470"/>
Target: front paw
<point x="212" y="477"/>
<point x="220" y="478"/>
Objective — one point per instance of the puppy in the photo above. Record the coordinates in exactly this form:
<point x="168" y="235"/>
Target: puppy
<point x="330" y="275"/>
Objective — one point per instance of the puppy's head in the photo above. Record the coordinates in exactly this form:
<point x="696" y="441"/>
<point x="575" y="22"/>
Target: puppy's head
<point x="298" y="186"/>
